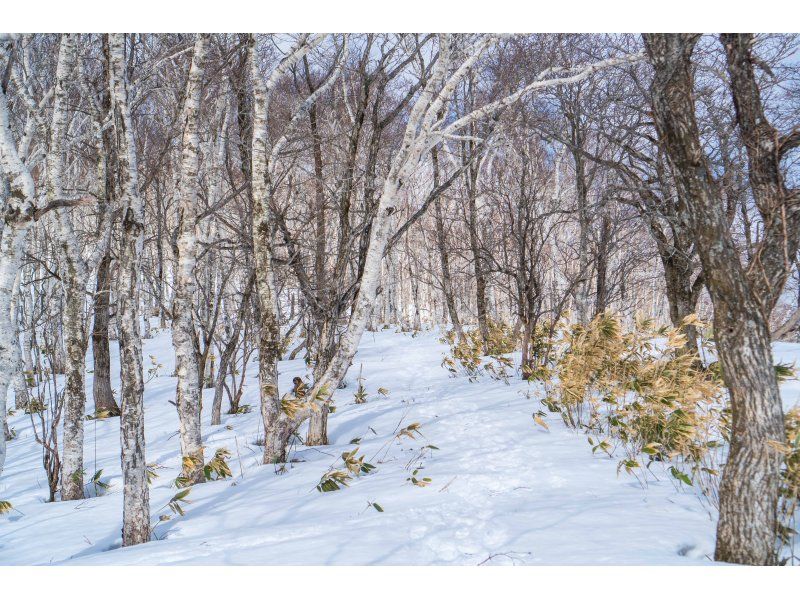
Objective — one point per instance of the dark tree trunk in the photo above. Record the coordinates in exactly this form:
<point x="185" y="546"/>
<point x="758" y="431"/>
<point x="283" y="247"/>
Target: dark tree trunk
<point x="229" y="353"/>
<point x="477" y="261"/>
<point x="318" y="424"/>
<point x="101" y="354"/>
<point x="603" y="250"/>
<point x="582" y="195"/>
<point x="323" y="353"/>
<point x="320" y="235"/>
<point x="682" y="293"/>
<point x="444" y="256"/>
<point x="746" y="532"/>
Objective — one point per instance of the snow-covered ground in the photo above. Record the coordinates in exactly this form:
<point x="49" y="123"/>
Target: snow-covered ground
<point x="504" y="490"/>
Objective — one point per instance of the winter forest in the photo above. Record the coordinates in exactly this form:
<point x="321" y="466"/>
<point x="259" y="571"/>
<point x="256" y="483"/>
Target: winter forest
<point x="480" y="299"/>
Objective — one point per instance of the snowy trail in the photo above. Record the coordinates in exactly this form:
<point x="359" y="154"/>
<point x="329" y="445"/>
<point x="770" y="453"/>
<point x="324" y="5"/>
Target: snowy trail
<point x="503" y="490"/>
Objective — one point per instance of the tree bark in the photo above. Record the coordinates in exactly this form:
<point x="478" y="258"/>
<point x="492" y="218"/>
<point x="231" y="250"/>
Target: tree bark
<point x="72" y="470"/>
<point x="136" y="495"/>
<point x="101" y="352"/>
<point x="188" y="392"/>
<point x="444" y="256"/>
<point x="746" y="532"/>
<point x="572" y="107"/>
<point x="229" y="353"/>
<point x="21" y="395"/>
<point x="18" y="212"/>
<point x="276" y="433"/>
<point x="788" y="329"/>
<point x="475" y="248"/>
<point x="603" y="251"/>
<point x="582" y="196"/>
<point x="73" y="280"/>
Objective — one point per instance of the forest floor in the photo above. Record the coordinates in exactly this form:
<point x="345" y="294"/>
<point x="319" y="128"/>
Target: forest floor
<point x="503" y="489"/>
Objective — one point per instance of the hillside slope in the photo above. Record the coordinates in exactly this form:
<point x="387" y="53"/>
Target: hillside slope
<point x="503" y="490"/>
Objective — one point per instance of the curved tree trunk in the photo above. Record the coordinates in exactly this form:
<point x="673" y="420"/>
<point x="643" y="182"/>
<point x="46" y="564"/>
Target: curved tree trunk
<point x="229" y="353"/>
<point x="747" y="528"/>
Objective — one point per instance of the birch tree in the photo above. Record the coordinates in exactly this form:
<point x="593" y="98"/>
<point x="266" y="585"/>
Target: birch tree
<point x="188" y="395"/>
<point x="74" y="279"/>
<point x="380" y="95"/>
<point x="107" y="192"/>
<point x="19" y="207"/>
<point x="347" y="182"/>
<point x="136" y="500"/>
<point x="424" y="130"/>
<point x="264" y="157"/>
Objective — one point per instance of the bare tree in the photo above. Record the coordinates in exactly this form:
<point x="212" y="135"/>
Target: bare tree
<point x="19" y="209"/>
<point x="743" y="296"/>
<point x="424" y="131"/>
<point x="136" y="496"/>
<point x="188" y="394"/>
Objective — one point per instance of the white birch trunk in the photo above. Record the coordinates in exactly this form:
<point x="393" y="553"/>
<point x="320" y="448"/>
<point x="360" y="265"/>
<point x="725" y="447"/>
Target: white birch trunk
<point x="188" y="394"/>
<point x="276" y="428"/>
<point x="18" y="212"/>
<point x="28" y="367"/>
<point x="73" y="282"/>
<point x="136" y="498"/>
<point x="21" y="397"/>
<point x="269" y="331"/>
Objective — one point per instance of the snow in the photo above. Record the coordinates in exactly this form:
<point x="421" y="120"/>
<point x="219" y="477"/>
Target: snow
<point x="504" y="490"/>
<point x="788" y="353"/>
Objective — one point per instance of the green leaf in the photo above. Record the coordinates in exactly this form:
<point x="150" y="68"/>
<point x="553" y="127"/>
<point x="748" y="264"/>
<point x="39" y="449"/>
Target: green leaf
<point x="784" y="371"/>
<point x="182" y="494"/>
<point x="679" y="475"/>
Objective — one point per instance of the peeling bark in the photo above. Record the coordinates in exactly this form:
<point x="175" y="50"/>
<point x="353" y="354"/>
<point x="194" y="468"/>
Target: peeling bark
<point x="276" y="430"/>
<point x="136" y="495"/>
<point x="188" y="393"/>
<point x="18" y="211"/>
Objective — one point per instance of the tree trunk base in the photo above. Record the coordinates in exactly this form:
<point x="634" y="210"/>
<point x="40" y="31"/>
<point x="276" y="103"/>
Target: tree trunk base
<point x="318" y="428"/>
